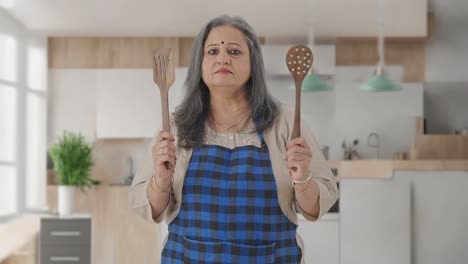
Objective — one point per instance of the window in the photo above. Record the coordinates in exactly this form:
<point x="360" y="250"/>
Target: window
<point x="8" y="128"/>
<point x="7" y="125"/>
<point x="23" y="93"/>
<point x="8" y="206"/>
<point x="35" y="151"/>
<point x="8" y="60"/>
<point x="7" y="150"/>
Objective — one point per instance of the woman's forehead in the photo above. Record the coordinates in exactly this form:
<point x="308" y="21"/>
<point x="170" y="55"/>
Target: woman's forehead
<point x="227" y="35"/>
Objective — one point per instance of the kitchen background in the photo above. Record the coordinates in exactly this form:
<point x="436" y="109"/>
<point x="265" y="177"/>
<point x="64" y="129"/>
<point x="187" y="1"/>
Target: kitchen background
<point x="60" y="71"/>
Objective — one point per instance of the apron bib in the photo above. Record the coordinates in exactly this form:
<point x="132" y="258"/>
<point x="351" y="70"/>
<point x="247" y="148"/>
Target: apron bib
<point x="230" y="212"/>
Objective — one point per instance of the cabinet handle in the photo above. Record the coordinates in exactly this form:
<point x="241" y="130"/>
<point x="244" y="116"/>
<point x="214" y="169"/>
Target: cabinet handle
<point x="65" y="233"/>
<point x="60" y="258"/>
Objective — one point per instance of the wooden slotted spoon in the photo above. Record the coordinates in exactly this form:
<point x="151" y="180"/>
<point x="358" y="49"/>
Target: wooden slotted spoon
<point x="164" y="76"/>
<point x="299" y="60"/>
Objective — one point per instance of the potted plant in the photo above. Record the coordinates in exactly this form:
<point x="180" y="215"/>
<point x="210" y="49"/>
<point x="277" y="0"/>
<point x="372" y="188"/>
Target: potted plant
<point x="73" y="159"/>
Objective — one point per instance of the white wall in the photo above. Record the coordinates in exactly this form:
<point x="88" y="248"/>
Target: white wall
<point x="348" y="113"/>
<point x="446" y="50"/>
<point x="446" y="68"/>
<point x="445" y="107"/>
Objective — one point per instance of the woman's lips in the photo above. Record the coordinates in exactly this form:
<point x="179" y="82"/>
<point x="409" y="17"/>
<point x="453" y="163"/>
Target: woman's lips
<point x="223" y="71"/>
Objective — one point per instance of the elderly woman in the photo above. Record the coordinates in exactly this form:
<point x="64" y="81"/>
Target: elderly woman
<point x="237" y="180"/>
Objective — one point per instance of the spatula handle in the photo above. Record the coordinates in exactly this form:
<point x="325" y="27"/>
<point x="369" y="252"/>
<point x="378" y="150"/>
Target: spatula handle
<point x="165" y="111"/>
<point x="165" y="118"/>
<point x="297" y="111"/>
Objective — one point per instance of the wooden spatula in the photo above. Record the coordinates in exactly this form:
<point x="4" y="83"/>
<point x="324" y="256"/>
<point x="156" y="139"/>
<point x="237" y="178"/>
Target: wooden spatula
<point x="299" y="59"/>
<point x="164" y="76"/>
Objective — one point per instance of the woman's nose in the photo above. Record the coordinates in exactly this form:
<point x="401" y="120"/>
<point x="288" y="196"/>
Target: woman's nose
<point x="223" y="58"/>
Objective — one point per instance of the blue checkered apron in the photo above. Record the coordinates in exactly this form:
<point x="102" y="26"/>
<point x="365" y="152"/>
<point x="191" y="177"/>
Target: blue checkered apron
<point x="230" y="212"/>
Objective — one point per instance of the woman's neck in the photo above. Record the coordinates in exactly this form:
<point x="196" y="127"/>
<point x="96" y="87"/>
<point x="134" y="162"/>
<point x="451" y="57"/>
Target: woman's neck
<point x="229" y="114"/>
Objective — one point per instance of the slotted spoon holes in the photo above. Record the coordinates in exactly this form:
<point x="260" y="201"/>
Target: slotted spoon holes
<point x="298" y="67"/>
<point x="299" y="60"/>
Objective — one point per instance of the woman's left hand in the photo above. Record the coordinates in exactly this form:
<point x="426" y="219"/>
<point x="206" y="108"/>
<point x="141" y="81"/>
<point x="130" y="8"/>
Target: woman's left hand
<point x="298" y="157"/>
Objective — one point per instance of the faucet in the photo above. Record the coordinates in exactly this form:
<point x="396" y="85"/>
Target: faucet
<point x="129" y="178"/>
<point x="349" y="152"/>
<point x="376" y="144"/>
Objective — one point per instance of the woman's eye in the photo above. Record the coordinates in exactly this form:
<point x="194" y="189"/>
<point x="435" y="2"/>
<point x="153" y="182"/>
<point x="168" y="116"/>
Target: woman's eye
<point x="235" y="52"/>
<point x="213" y="52"/>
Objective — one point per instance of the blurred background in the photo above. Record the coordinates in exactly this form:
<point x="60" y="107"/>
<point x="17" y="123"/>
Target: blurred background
<point x="386" y="101"/>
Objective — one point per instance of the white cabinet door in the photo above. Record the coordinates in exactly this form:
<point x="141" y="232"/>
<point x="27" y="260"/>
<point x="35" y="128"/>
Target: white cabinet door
<point x="375" y="221"/>
<point x="72" y="103"/>
<point x="128" y="102"/>
<point x="321" y="239"/>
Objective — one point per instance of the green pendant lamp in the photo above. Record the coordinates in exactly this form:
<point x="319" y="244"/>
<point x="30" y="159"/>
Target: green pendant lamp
<point x="380" y="82"/>
<point x="312" y="83"/>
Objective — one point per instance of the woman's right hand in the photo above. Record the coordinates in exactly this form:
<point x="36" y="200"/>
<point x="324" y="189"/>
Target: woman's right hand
<point x="164" y="151"/>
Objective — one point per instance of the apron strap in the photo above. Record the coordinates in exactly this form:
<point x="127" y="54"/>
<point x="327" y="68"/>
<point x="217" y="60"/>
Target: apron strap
<point x="260" y="134"/>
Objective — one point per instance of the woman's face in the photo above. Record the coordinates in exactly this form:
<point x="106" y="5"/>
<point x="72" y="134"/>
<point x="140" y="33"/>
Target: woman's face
<point x="226" y="60"/>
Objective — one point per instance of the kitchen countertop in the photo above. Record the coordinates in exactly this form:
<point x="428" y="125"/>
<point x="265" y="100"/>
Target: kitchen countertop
<point x="17" y="233"/>
<point x="385" y="168"/>
<point x="326" y="217"/>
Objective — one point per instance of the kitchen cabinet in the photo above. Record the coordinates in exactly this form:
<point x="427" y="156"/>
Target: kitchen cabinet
<point x="128" y="103"/>
<point x="65" y="240"/>
<point x="321" y="239"/>
<point x="119" y="235"/>
<point x="375" y="221"/>
<point x="72" y="102"/>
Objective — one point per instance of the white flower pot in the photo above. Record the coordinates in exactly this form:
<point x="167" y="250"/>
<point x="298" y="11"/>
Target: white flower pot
<point x="66" y="199"/>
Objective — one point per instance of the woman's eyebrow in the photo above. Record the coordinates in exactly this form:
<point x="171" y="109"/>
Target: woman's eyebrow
<point x="217" y="44"/>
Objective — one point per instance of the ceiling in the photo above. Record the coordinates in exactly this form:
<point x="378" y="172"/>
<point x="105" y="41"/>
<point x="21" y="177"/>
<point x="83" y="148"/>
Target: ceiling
<point x="270" y="18"/>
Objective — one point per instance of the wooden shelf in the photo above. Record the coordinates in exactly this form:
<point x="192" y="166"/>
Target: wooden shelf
<point x="385" y="168"/>
<point x="438" y="147"/>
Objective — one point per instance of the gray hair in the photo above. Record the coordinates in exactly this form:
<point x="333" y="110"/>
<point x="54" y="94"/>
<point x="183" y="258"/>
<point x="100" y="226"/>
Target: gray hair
<point x="191" y="114"/>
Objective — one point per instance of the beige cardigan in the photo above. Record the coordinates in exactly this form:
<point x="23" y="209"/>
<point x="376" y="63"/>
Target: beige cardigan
<point x="276" y="139"/>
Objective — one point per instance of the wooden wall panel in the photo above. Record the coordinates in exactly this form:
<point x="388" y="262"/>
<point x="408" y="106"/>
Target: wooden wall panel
<point x="72" y="52"/>
<point x="130" y="52"/>
<point x="107" y="52"/>
<point x="410" y="53"/>
<point x="185" y="47"/>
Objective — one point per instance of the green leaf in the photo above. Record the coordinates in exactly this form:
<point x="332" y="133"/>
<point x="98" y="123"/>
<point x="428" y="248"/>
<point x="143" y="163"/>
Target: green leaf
<point x="73" y="159"/>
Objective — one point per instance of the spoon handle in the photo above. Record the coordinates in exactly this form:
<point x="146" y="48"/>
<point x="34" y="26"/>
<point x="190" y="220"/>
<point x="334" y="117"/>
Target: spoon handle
<point x="297" y="111"/>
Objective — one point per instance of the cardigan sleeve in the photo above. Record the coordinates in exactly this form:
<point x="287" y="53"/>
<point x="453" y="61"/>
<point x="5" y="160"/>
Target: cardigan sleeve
<point x="138" y="200"/>
<point x="137" y="197"/>
<point x="321" y="174"/>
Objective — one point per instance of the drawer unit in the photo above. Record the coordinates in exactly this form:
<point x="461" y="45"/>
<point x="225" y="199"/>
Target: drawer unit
<point x="65" y="232"/>
<point x="65" y="255"/>
<point x="65" y="240"/>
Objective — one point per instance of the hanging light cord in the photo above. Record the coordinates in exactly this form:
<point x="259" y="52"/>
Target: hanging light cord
<point x="381" y="36"/>
<point x="310" y="29"/>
